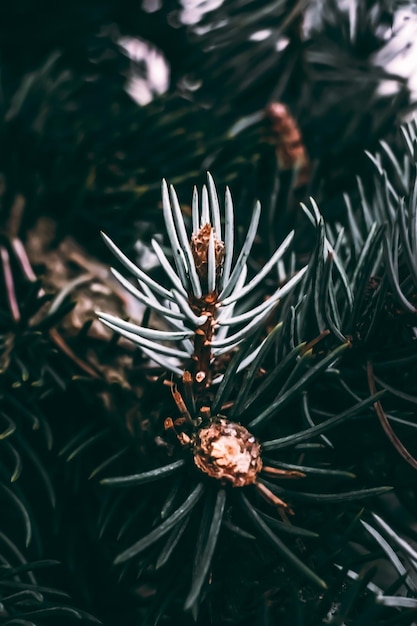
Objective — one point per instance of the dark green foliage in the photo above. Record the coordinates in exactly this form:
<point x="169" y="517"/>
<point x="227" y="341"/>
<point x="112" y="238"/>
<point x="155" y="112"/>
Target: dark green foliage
<point x="27" y="490"/>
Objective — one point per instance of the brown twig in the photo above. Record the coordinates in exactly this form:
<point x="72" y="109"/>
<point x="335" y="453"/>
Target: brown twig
<point x="60" y="342"/>
<point x="386" y="426"/>
<point x="9" y="282"/>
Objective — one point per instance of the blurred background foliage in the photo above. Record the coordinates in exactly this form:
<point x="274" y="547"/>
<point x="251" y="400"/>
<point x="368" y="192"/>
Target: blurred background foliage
<point x="75" y="141"/>
<point x="99" y="100"/>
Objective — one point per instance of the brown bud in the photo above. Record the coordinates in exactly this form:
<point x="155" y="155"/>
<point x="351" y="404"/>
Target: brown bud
<point x="229" y="452"/>
<point x="286" y="135"/>
<point x="199" y="248"/>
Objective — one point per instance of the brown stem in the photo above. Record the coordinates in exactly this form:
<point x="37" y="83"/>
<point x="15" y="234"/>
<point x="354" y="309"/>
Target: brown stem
<point x="9" y="282"/>
<point x="23" y="259"/>
<point x="202" y="353"/>
<point x="272" y="498"/>
<point x="282" y="472"/>
<point x="60" y="342"/>
<point x="315" y="341"/>
<point x="182" y="407"/>
<point x="396" y="442"/>
<point x="206" y="305"/>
